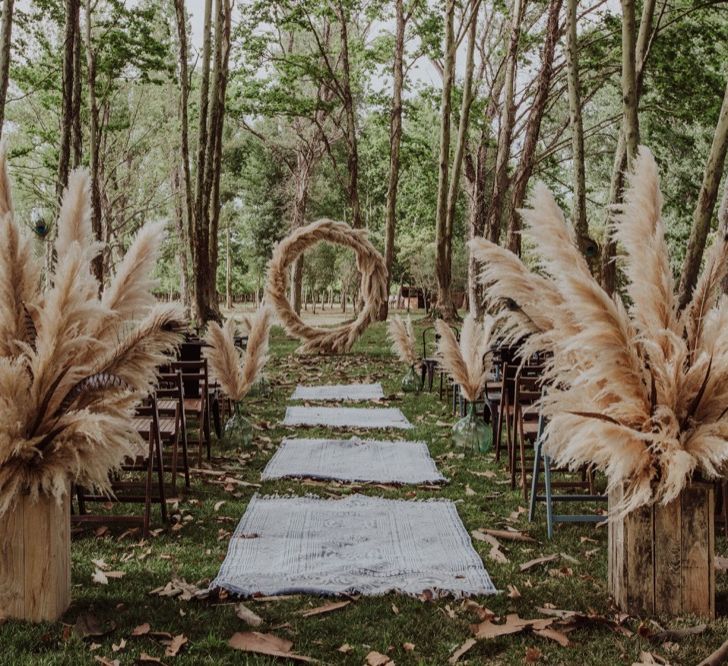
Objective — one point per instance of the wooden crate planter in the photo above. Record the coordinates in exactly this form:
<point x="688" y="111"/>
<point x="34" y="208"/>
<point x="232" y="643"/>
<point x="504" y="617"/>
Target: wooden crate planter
<point x="661" y="558"/>
<point x="35" y="560"/>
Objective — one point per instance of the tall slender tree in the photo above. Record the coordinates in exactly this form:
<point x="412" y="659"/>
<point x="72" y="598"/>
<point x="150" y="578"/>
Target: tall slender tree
<point x="445" y="306"/>
<point x="533" y="127"/>
<point x="714" y="169"/>
<point x="5" y="50"/>
<point x="578" y="178"/>
<point x="395" y="141"/>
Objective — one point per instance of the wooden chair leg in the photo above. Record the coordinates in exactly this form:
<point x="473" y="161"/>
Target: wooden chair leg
<point x="148" y="486"/>
<point x="205" y="416"/>
<point x="185" y="456"/>
<point x="534" y="480"/>
<point x="522" y="448"/>
<point x="160" y="475"/>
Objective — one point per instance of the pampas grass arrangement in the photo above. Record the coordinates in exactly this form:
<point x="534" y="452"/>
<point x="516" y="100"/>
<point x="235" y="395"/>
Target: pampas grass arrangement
<point x="402" y="335"/>
<point x="469" y="360"/>
<point x="237" y="371"/>
<point x="73" y="364"/>
<point x="637" y="387"/>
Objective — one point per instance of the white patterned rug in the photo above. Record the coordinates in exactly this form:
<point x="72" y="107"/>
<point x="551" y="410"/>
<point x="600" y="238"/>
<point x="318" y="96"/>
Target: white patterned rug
<point x="339" y="392"/>
<point x="353" y="460"/>
<point x="367" y="545"/>
<point x="347" y="417"/>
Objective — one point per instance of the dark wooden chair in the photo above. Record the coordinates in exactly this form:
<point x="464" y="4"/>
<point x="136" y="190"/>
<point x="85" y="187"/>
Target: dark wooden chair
<point x="196" y="386"/>
<point x="173" y="424"/>
<point x="126" y="488"/>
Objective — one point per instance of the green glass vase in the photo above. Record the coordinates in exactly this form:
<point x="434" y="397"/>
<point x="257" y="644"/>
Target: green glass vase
<point x="238" y="429"/>
<point x="411" y="381"/>
<point x="260" y="388"/>
<point x="472" y="433"/>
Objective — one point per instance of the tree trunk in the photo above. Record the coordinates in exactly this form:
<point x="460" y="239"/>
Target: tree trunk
<point x="622" y="157"/>
<point x="395" y="140"/>
<point x="7" y="32"/>
<point x="302" y="181"/>
<point x="349" y="112"/>
<point x="77" y="131"/>
<point x="706" y="203"/>
<point x="444" y="297"/>
<point x="533" y="127"/>
<point x="463" y="123"/>
<point x="184" y="119"/>
<point x="181" y="237"/>
<point x="629" y="81"/>
<point x="578" y="211"/>
<point x="222" y="58"/>
<point x="69" y="40"/>
<point x="200" y="241"/>
<point x="508" y="113"/>
<point x="94" y="143"/>
<point x="228" y="267"/>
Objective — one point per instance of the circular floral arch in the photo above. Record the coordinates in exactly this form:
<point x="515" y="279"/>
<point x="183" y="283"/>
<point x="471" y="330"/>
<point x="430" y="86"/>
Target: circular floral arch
<point x="373" y="284"/>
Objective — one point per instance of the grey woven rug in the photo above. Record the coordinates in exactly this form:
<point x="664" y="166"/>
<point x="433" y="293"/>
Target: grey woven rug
<point x="367" y="545"/>
<point x="339" y="392"/>
<point x="347" y="417"/>
<point x="353" y="460"/>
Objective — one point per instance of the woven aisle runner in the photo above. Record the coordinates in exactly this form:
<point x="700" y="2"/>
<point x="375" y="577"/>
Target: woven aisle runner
<point x="339" y="392"/>
<point x="354" y="460"/>
<point x="347" y="417"/>
<point x="365" y="545"/>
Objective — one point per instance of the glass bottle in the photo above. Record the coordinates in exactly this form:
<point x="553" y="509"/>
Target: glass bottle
<point x="472" y="433"/>
<point x="411" y="381"/>
<point x="238" y="429"/>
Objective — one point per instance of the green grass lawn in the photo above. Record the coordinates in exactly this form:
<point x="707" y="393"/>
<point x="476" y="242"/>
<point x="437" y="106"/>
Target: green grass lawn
<point x="195" y="547"/>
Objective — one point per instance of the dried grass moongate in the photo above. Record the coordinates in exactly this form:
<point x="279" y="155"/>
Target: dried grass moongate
<point x="73" y="364"/>
<point x="469" y="360"/>
<point x="639" y="390"/>
<point x="237" y="371"/>
<point x="373" y="285"/>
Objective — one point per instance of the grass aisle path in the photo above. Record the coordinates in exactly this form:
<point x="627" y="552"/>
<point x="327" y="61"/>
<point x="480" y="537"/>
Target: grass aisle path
<point x="194" y="549"/>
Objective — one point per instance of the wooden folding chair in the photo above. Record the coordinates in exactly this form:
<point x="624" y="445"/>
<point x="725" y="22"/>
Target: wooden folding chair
<point x="173" y="423"/>
<point x="524" y="428"/>
<point x="127" y="490"/>
<point x="196" y="388"/>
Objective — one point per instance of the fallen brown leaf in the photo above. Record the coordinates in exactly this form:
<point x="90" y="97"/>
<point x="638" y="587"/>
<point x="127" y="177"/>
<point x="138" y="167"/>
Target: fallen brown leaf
<point x="326" y="608"/>
<point x="465" y="647"/>
<point x="345" y="648"/>
<point x="175" y="645"/>
<point x="539" y="560"/>
<point x="408" y="647"/>
<point x="513" y="625"/>
<point x="141" y="630"/>
<point x="88" y="625"/>
<point x="554" y="635"/>
<point x="378" y="659"/>
<point x="248" y="616"/>
<point x="513" y="592"/>
<point x="533" y="655"/>
<point x="268" y="644"/>
<point x="509" y="535"/>
<point x="145" y="658"/>
<point x="107" y="662"/>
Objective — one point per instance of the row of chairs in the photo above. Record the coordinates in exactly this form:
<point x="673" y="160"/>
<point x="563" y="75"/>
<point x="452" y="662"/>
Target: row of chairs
<point x="175" y="418"/>
<point x="510" y="405"/>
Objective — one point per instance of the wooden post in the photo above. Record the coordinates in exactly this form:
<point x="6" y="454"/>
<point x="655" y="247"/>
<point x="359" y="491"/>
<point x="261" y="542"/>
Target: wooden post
<point x="35" y="559"/>
<point x="661" y="558"/>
